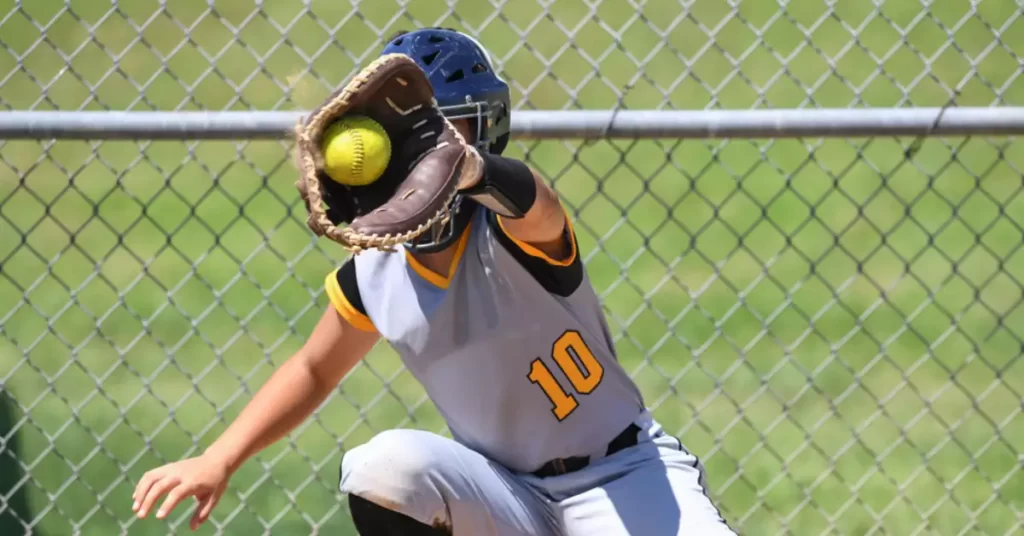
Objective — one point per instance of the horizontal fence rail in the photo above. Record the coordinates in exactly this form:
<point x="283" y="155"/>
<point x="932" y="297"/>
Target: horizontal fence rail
<point x="548" y="124"/>
<point x="804" y="220"/>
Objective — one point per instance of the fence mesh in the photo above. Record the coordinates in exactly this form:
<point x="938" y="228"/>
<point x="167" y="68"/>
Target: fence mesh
<point x="833" y="325"/>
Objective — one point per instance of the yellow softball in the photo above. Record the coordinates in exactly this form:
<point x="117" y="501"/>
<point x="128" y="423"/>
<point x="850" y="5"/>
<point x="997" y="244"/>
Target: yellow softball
<point x="356" y="150"/>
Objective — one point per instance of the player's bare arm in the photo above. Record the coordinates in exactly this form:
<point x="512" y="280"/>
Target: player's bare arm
<point x="543" y="224"/>
<point x="291" y="394"/>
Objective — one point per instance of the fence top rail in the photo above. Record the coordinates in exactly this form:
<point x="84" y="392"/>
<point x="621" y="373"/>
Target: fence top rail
<point x="543" y="124"/>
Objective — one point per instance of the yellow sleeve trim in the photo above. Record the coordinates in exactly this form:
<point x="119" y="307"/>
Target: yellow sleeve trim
<point x="345" y="309"/>
<point x="534" y="252"/>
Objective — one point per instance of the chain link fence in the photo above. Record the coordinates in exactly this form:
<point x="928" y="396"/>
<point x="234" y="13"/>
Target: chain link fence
<point x="833" y="324"/>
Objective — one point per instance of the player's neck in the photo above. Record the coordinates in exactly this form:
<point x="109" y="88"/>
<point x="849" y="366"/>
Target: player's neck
<point x="438" y="262"/>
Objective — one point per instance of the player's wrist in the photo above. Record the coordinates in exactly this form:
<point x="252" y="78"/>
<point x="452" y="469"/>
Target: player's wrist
<point x="504" y="185"/>
<point x="473" y="169"/>
<point x="226" y="456"/>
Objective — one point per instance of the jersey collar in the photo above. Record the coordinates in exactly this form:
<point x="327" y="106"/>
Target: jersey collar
<point x="438" y="280"/>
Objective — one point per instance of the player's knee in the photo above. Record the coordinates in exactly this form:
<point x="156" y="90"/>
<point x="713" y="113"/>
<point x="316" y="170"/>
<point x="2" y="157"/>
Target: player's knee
<point x="402" y="455"/>
<point x="397" y="469"/>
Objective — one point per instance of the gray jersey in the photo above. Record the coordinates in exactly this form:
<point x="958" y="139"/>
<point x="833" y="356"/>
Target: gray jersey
<point x="512" y="347"/>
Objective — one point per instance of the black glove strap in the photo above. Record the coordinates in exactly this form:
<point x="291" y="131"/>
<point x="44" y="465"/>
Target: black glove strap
<point x="507" y="186"/>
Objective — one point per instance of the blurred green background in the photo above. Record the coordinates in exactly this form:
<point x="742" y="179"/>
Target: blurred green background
<point x="833" y="327"/>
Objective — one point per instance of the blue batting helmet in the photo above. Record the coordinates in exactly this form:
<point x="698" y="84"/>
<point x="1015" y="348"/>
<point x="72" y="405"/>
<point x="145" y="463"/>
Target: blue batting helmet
<point x="464" y="81"/>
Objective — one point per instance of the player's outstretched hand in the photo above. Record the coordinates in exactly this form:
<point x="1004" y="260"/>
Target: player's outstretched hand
<point x="203" y="477"/>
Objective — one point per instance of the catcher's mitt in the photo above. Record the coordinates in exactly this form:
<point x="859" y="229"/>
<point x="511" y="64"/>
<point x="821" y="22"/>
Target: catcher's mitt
<point x="429" y="160"/>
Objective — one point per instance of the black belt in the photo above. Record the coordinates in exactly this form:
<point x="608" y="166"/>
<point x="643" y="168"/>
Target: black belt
<point x="561" y="466"/>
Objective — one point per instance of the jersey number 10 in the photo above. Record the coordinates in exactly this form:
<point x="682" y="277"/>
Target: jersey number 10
<point x="578" y="364"/>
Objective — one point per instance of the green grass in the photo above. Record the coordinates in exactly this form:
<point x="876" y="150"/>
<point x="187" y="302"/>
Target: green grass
<point x="833" y="327"/>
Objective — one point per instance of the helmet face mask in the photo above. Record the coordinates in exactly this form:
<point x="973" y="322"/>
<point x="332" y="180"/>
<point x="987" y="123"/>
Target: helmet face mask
<point x="466" y="87"/>
<point x="479" y="115"/>
<point x="447" y="231"/>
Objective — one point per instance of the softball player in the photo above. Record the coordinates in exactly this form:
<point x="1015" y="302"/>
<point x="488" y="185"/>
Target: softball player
<point x="494" y="315"/>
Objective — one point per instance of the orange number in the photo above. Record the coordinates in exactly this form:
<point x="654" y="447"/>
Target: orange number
<point x="578" y="364"/>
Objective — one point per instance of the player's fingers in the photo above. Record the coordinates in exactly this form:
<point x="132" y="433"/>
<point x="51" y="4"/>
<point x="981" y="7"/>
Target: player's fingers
<point x="204" y="508"/>
<point x="142" y="488"/>
<point x="159" y="488"/>
<point x="196" y="517"/>
<point x="208" y="506"/>
<point x="173" y="498"/>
